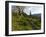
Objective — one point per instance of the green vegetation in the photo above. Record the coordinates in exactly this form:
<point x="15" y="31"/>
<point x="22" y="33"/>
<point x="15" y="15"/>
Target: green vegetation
<point x="22" y="21"/>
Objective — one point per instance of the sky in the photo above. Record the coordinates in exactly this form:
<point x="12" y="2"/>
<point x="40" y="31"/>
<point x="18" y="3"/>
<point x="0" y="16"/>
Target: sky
<point x="32" y="9"/>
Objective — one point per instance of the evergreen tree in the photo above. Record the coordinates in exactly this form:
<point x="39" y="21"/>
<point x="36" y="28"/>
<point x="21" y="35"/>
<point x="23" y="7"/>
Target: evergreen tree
<point x="30" y="13"/>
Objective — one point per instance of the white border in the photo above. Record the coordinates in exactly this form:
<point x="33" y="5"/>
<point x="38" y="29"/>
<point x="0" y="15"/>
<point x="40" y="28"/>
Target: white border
<point x="29" y="31"/>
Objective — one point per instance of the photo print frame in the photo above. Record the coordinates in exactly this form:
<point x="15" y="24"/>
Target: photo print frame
<point x="24" y="18"/>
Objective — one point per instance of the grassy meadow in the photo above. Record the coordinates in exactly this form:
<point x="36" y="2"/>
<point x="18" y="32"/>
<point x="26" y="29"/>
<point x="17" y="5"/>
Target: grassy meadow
<point x="22" y="21"/>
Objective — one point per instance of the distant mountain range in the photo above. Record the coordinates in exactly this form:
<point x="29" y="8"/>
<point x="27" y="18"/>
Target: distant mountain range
<point x="37" y="15"/>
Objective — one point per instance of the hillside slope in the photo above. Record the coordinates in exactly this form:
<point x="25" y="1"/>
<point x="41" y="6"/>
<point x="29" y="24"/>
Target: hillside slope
<point x="22" y="21"/>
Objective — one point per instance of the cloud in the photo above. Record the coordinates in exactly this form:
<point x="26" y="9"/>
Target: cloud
<point x="33" y="9"/>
